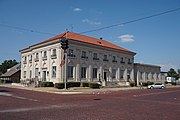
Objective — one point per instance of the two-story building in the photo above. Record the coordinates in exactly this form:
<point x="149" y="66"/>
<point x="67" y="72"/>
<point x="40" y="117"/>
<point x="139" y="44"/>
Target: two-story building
<point x="89" y="59"/>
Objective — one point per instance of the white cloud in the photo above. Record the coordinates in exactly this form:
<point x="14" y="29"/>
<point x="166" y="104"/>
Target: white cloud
<point x="91" y="22"/>
<point x="167" y="67"/>
<point x="77" y="9"/>
<point x="126" y="38"/>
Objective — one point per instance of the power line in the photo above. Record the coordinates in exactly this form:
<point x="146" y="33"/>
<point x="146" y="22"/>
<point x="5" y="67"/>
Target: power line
<point x="98" y="29"/>
<point x="25" y="29"/>
<point x="132" y="21"/>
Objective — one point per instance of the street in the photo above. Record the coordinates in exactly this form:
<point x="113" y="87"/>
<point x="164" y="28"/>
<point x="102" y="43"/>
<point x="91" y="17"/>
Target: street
<point x="145" y="104"/>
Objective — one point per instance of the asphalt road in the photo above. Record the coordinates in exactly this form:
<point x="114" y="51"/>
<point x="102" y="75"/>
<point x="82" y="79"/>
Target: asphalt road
<point x="156" y="104"/>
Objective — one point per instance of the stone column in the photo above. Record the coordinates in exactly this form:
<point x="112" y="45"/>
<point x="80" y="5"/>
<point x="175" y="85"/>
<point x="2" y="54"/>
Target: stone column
<point x="90" y="73"/>
<point x="110" y="73"/>
<point x="101" y="73"/>
<point x="125" y="74"/>
<point x="78" y="72"/>
<point x="48" y="64"/>
<point x="138" y="78"/>
<point x="58" y="61"/>
<point x="132" y="75"/>
<point x="119" y="74"/>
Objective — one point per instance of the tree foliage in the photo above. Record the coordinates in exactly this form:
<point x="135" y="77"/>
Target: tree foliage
<point x="172" y="73"/>
<point x="6" y="65"/>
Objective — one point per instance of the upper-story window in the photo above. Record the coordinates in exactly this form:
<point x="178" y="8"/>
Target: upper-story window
<point x="122" y="60"/>
<point x="30" y="58"/>
<point x="114" y="59"/>
<point x="105" y="58"/>
<point x="84" y="54"/>
<point x="95" y="56"/>
<point x="71" y="53"/>
<point x="36" y="56"/>
<point x="53" y="54"/>
<point x="25" y="60"/>
<point x="129" y="61"/>
<point x="45" y="55"/>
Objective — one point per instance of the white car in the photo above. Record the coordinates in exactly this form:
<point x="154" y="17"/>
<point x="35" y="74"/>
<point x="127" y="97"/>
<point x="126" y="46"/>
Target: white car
<point x="156" y="86"/>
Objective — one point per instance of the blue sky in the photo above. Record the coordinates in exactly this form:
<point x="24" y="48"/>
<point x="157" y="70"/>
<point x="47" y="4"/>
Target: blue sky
<point x="155" y="40"/>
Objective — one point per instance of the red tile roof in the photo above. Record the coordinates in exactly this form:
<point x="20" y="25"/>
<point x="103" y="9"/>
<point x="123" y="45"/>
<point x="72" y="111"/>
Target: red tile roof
<point x="86" y="39"/>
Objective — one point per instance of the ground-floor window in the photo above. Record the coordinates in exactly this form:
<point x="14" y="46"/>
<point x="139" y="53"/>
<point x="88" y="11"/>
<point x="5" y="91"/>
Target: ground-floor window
<point x="24" y="74"/>
<point x="121" y="74"/>
<point x="36" y="72"/>
<point x="113" y="73"/>
<point x="70" y="72"/>
<point x="94" y="72"/>
<point x="30" y="74"/>
<point x="83" y="72"/>
<point x="53" y="71"/>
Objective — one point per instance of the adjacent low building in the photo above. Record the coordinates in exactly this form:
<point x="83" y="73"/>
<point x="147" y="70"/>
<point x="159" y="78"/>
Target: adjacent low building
<point x="13" y="74"/>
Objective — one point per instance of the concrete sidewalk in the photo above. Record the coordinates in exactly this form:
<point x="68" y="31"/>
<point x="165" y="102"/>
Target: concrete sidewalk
<point x="74" y="90"/>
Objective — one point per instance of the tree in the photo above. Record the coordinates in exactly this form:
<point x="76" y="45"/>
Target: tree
<point x="179" y="72"/>
<point x="172" y="73"/>
<point x="6" y="65"/>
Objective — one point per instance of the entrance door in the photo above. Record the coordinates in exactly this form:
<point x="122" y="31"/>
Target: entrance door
<point x="105" y="76"/>
<point x="44" y="76"/>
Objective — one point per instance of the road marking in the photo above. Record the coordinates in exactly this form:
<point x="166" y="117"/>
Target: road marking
<point x="17" y="97"/>
<point x="36" y="108"/>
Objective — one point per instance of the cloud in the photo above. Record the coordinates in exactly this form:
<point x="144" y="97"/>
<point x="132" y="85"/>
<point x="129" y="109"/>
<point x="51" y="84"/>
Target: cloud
<point x="126" y="38"/>
<point x="167" y="67"/>
<point x="77" y="9"/>
<point x="91" y="22"/>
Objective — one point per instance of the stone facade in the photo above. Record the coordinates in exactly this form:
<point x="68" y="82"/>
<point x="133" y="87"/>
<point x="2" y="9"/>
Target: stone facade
<point x="146" y="72"/>
<point x="85" y="61"/>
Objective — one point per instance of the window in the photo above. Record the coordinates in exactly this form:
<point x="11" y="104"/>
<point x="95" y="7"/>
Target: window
<point x="105" y="58"/>
<point x="113" y="73"/>
<point x="24" y="74"/>
<point x="36" y="72"/>
<point x="122" y="60"/>
<point x="30" y="58"/>
<point x="121" y="74"/>
<point x="70" y="72"/>
<point x="30" y="74"/>
<point x="37" y="55"/>
<point x="45" y="54"/>
<point x="129" y="61"/>
<point x="114" y="59"/>
<point x="53" y="71"/>
<point x="83" y="72"/>
<point x="71" y="53"/>
<point x="84" y="54"/>
<point x="94" y="72"/>
<point x="95" y="56"/>
<point x="54" y="52"/>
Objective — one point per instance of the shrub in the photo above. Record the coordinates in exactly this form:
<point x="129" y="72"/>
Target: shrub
<point x="59" y="85"/>
<point x="94" y="85"/>
<point x="173" y="83"/>
<point x="73" y="84"/>
<point x="132" y="84"/>
<point x="47" y="84"/>
<point x="147" y="83"/>
<point x="85" y="84"/>
<point x="1" y="81"/>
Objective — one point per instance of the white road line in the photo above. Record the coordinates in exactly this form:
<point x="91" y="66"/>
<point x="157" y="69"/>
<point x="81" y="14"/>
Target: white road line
<point x="17" y="97"/>
<point x="36" y="108"/>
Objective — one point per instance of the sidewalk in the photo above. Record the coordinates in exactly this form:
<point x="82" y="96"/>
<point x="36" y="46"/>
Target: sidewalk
<point x="74" y="90"/>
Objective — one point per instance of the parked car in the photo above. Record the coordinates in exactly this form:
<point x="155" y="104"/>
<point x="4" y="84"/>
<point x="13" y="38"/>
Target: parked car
<point x="156" y="86"/>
